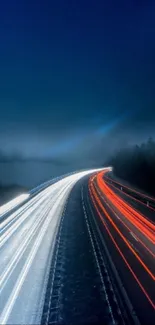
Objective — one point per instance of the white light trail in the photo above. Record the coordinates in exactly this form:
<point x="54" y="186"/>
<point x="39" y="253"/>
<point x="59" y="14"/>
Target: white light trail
<point x="13" y="203"/>
<point x="26" y="246"/>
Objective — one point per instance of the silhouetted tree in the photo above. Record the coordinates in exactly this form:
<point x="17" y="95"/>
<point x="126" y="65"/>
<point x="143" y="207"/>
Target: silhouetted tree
<point x="137" y="165"/>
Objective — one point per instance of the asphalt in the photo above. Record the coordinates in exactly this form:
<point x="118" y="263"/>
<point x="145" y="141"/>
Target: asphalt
<point x="82" y="288"/>
<point x="143" y="308"/>
<point x="69" y="256"/>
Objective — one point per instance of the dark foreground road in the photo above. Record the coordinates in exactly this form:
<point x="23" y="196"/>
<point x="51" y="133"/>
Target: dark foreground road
<point x="80" y="288"/>
<point x="98" y="280"/>
<point x="129" y="237"/>
<point x="95" y="262"/>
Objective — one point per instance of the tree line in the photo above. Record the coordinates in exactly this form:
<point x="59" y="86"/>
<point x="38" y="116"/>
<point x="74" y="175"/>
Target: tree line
<point x="136" y="165"/>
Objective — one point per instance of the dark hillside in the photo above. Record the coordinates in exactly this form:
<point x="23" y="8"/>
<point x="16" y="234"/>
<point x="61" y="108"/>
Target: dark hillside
<point x="136" y="165"/>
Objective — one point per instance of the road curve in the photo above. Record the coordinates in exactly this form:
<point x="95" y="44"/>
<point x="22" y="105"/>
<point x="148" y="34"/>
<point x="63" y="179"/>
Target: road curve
<point x="77" y="252"/>
<point x="130" y="237"/>
<point x="26" y="245"/>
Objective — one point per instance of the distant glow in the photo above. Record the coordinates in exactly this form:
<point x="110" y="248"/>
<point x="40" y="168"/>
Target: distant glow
<point x="106" y="128"/>
<point x="65" y="145"/>
<point x="13" y="203"/>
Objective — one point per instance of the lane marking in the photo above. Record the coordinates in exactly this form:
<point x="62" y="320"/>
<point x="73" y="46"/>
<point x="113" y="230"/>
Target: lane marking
<point x="133" y="236"/>
<point x="96" y="258"/>
<point x="122" y="255"/>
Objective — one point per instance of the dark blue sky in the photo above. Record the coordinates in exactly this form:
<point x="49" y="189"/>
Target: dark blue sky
<point x="74" y="72"/>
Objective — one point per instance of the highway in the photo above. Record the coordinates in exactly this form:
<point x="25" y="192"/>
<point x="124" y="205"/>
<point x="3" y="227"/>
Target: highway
<point x="26" y="245"/>
<point x="130" y="237"/>
<point x="76" y="251"/>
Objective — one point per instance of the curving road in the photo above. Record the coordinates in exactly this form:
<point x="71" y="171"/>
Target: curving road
<point x="77" y="252"/>
<point x="130" y="237"/>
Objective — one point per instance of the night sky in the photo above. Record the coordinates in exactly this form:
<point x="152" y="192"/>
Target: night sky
<point x="75" y="77"/>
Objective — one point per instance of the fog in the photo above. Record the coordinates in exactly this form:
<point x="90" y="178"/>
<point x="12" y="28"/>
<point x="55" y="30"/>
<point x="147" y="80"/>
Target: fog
<point x="29" y="173"/>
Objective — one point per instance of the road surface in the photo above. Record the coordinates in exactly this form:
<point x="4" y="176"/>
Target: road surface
<point x="77" y="252"/>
